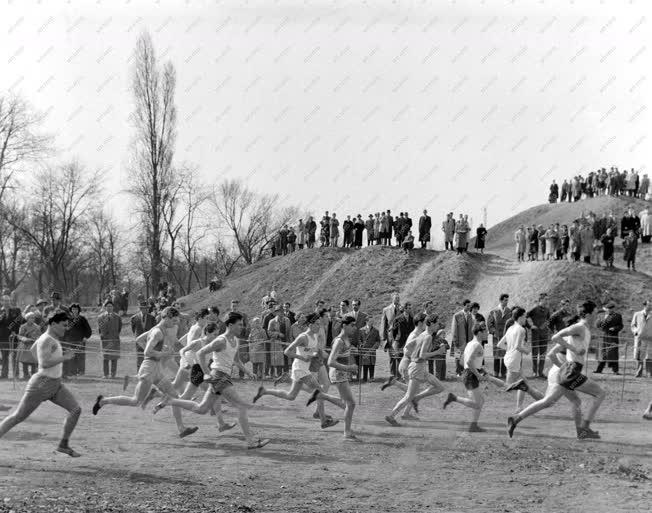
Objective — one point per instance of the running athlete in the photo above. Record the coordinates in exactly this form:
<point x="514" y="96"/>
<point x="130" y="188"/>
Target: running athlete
<point x="185" y="364"/>
<point x="150" y="373"/>
<point x="46" y="384"/>
<point x="575" y="339"/>
<point x="408" y="357"/>
<point x="304" y="350"/>
<point x="341" y="367"/>
<point x="471" y="376"/>
<point x="514" y="344"/>
<point x="196" y="374"/>
<point x="418" y="370"/>
<point x="403" y="365"/>
<point x="318" y="364"/>
<point x="225" y="355"/>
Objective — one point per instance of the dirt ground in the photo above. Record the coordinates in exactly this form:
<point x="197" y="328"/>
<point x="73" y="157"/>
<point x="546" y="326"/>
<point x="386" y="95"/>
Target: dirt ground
<point x="133" y="461"/>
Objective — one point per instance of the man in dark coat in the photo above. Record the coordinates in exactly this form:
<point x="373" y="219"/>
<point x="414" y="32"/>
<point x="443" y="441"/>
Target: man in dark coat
<point x="539" y="317"/>
<point x="629" y="223"/>
<point x="611" y="324"/>
<point x="358" y="228"/>
<point x="140" y="323"/>
<point x="10" y="321"/>
<point x="401" y="329"/>
<point x="425" y="224"/>
<point x="311" y="230"/>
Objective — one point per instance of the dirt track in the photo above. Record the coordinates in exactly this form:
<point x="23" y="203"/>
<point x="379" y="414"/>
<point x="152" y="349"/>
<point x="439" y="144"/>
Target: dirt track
<point x="133" y="460"/>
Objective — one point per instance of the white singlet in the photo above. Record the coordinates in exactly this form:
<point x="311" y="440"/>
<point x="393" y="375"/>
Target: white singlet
<point x="469" y="352"/>
<point x="301" y="369"/>
<point x="514" y="358"/>
<point x="411" y="345"/>
<point x="579" y="343"/>
<point x="223" y="360"/>
<point x="55" y="371"/>
<point x="190" y="357"/>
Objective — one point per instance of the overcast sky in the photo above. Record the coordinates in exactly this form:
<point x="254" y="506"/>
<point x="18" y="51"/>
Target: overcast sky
<point x="352" y="106"/>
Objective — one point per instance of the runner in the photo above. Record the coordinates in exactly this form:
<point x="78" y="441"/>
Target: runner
<point x="225" y="355"/>
<point x="403" y="365"/>
<point x="412" y="385"/>
<point x="514" y="343"/>
<point x="304" y="350"/>
<point x="196" y="374"/>
<point x="471" y="376"/>
<point x="318" y="364"/>
<point x="46" y="384"/>
<point x="575" y="339"/>
<point x="419" y="370"/>
<point x="341" y="367"/>
<point x="159" y="347"/>
<point x="185" y="364"/>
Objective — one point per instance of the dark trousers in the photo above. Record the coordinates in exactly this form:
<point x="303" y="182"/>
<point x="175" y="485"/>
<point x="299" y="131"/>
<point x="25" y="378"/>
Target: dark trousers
<point x="394" y="361"/>
<point x="612" y="364"/>
<point x="437" y="367"/>
<point x="29" y="369"/>
<point x="5" y="354"/>
<point x="539" y="350"/>
<point x="368" y="372"/>
<point x="113" y="364"/>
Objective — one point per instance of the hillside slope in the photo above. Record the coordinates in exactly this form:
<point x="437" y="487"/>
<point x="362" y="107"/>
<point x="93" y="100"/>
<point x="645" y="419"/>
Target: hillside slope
<point x="445" y="278"/>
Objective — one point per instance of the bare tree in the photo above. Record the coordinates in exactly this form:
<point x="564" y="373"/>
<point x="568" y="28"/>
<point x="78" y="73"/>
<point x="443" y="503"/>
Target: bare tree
<point x="105" y="250"/>
<point x="253" y="219"/>
<point x="20" y="141"/>
<point x="152" y="173"/>
<point x="226" y="260"/>
<point x="55" y="224"/>
<point x="14" y="249"/>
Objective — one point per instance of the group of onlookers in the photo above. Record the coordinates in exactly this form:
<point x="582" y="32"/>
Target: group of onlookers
<point x="589" y="238"/>
<point x="601" y="183"/>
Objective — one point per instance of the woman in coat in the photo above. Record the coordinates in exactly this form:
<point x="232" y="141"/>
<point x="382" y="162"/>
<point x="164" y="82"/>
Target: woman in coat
<point x="279" y="332"/>
<point x="564" y="242"/>
<point x="480" y="236"/>
<point x="520" y="240"/>
<point x="256" y="341"/>
<point x="586" y="242"/>
<point x="608" y="248"/>
<point x="574" y="247"/>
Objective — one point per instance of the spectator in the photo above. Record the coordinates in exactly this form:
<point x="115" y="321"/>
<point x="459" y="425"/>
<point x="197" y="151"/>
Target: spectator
<point x="462" y="333"/>
<point x="390" y="313"/>
<point x="369" y="226"/>
<point x="370" y="342"/>
<point x="641" y="327"/>
<point x="311" y="230"/>
<point x="401" y="329"/>
<point x="630" y="244"/>
<point x="611" y="324"/>
<point x="538" y="318"/>
<point x="28" y="332"/>
<point x="257" y="342"/>
<point x="301" y="232"/>
<point x="480" y="236"/>
<point x="408" y="243"/>
<point x="425" y="225"/>
<point x="358" y="228"/>
<point x="109" y="325"/>
<point x="497" y="325"/>
<point x="79" y="330"/>
<point x="278" y="331"/>
<point x="10" y="321"/>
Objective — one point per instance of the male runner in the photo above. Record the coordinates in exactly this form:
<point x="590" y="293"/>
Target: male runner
<point x="185" y="364"/>
<point x="46" y="384"/>
<point x="341" y="366"/>
<point x="159" y="347"/>
<point x="514" y="343"/>
<point x="471" y="376"/>
<point x="575" y="339"/>
<point x="225" y="355"/>
<point x="303" y="349"/>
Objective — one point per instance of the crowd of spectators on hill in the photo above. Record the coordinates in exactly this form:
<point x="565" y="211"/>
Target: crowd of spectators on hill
<point x="601" y="183"/>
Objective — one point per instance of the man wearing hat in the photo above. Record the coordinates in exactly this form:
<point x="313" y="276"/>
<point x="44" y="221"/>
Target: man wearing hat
<point x="538" y="318"/>
<point x="54" y="305"/>
<point x="10" y="320"/>
<point x="140" y="323"/>
<point x="611" y="324"/>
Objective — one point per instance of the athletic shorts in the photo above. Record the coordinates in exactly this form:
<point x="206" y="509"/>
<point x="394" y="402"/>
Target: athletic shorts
<point x="310" y="380"/>
<point x="43" y="388"/>
<point x="315" y="364"/>
<point x="417" y="371"/>
<point x="196" y="375"/>
<point x="570" y="375"/>
<point x="151" y="371"/>
<point x="470" y="380"/>
<point x="338" y="376"/>
<point x="223" y="381"/>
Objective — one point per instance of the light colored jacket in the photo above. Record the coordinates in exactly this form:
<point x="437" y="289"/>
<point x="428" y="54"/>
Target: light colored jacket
<point x="642" y="329"/>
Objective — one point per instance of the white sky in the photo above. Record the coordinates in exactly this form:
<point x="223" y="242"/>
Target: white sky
<point x="352" y="106"/>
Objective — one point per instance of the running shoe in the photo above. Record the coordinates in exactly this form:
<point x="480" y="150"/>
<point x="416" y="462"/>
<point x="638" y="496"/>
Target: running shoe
<point x="188" y="431"/>
<point x="647" y="416"/>
<point x="97" y="406"/>
<point x="409" y="416"/>
<point x="313" y="398"/>
<point x="282" y="378"/>
<point x="329" y="423"/>
<point x="259" y="444"/>
<point x="517" y="385"/>
<point x="449" y="399"/>
<point x="587" y="433"/>
<point x="352" y="438"/>
<point x="315" y="415"/>
<point x="474" y="428"/>
<point x="511" y="426"/>
<point x="159" y="406"/>
<point x="415" y="405"/>
<point x="226" y="427"/>
<point x="388" y="383"/>
<point x="69" y="451"/>
<point x="259" y="394"/>
<point x="392" y="421"/>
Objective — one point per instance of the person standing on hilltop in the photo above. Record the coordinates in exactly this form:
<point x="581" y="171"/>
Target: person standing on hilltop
<point x="448" y="227"/>
<point x="334" y="230"/>
<point x="311" y="230"/>
<point x="325" y="234"/>
<point x="390" y="224"/>
<point x="301" y="234"/>
<point x="565" y="189"/>
<point x="629" y="223"/>
<point x="630" y="244"/>
<point x="643" y="187"/>
<point x="399" y="225"/>
<point x="384" y="229"/>
<point x="586" y="241"/>
<point x="425" y="224"/>
<point x="358" y="228"/>
<point x="461" y="235"/>
<point x="480" y="236"/>
<point x="574" y="246"/>
<point x="521" y="240"/>
<point x="347" y="228"/>
<point x="533" y="239"/>
<point x="608" y="248"/>
<point x="377" y="229"/>
<point x="369" y="226"/>
<point x="554" y="192"/>
<point x="646" y="226"/>
<point x="390" y="312"/>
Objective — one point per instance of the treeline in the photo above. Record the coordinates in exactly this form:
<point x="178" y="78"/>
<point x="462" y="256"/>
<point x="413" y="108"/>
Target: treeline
<point x="57" y="234"/>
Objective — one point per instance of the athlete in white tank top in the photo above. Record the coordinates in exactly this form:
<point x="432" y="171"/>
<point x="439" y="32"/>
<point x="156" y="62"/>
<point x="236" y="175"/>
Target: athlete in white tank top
<point x="223" y="360"/>
<point x="56" y="371"/>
